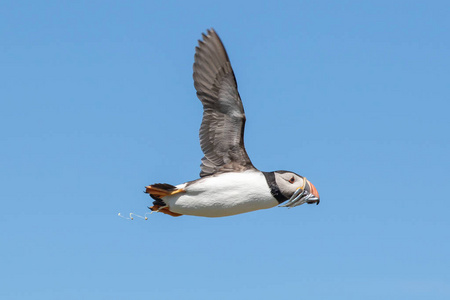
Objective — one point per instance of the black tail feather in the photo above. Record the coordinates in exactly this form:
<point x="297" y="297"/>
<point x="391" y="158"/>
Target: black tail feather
<point x="164" y="186"/>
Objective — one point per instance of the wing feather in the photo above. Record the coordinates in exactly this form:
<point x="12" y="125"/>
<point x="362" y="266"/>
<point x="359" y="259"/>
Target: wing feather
<point x="222" y="130"/>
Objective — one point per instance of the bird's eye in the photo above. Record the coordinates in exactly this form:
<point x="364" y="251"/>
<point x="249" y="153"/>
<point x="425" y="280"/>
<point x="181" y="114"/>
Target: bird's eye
<point x="292" y="179"/>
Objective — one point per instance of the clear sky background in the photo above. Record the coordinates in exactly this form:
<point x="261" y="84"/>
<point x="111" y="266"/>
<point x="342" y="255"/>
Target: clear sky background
<point x="97" y="101"/>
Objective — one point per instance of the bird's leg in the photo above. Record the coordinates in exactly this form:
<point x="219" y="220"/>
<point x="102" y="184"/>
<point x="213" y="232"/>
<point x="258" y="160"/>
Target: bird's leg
<point x="158" y="192"/>
<point x="164" y="210"/>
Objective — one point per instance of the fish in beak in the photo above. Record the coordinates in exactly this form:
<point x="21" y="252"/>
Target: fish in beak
<point x="306" y="194"/>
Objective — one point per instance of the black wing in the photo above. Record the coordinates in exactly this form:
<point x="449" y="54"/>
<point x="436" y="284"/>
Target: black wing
<point x="222" y="129"/>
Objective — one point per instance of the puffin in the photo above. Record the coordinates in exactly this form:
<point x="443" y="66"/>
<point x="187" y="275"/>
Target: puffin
<point x="229" y="184"/>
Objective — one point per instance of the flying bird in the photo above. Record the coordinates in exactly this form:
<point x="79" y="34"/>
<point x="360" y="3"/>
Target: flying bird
<point x="229" y="184"/>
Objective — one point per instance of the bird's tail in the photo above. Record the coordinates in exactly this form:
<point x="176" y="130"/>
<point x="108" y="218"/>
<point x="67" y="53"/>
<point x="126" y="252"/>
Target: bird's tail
<point x="160" y="190"/>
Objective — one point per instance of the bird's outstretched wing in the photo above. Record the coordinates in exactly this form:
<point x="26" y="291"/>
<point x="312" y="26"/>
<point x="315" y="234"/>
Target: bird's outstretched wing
<point x="222" y="129"/>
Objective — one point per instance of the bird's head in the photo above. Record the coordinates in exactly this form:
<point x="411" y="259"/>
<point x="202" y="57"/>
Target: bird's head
<point x="297" y="189"/>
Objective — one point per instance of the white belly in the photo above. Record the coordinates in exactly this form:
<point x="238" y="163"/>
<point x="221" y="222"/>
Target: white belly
<point x="223" y="195"/>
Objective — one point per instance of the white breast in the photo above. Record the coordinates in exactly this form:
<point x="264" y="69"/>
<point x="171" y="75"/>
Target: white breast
<point x="223" y="195"/>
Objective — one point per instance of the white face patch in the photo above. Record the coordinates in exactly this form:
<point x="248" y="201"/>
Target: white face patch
<point x="288" y="182"/>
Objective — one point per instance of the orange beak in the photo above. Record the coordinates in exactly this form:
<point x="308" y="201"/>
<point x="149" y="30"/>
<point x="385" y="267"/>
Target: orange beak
<point x="312" y="189"/>
<point x="305" y="194"/>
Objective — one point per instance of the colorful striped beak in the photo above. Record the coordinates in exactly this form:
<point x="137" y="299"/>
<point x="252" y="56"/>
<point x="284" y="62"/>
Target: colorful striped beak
<point x="307" y="194"/>
<point x="312" y="190"/>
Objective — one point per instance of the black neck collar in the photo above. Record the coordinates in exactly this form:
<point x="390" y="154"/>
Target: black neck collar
<point x="274" y="189"/>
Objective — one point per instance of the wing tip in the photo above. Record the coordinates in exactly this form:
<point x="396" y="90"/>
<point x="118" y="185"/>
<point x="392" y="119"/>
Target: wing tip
<point x="209" y="33"/>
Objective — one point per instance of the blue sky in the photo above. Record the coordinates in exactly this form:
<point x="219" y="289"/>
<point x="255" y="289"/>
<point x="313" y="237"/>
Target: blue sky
<point x="97" y="101"/>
